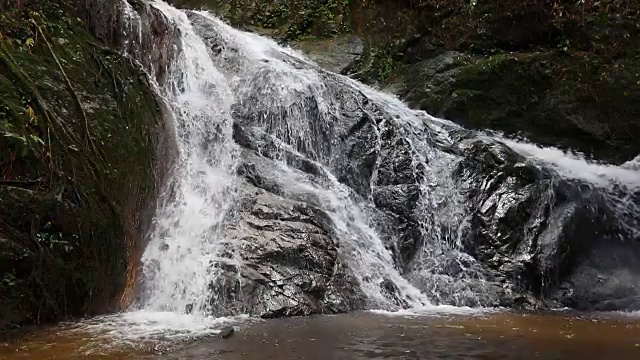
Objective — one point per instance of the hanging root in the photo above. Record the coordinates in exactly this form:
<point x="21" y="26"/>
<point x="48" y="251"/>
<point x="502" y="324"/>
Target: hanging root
<point x="70" y="88"/>
<point x="50" y="116"/>
<point x="54" y="119"/>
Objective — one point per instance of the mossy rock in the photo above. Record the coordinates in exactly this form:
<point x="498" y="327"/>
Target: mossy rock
<point x="550" y="97"/>
<point x="289" y="19"/>
<point x="81" y="146"/>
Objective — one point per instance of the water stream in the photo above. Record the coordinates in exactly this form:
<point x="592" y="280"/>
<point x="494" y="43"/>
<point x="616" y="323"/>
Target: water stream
<point x="218" y="76"/>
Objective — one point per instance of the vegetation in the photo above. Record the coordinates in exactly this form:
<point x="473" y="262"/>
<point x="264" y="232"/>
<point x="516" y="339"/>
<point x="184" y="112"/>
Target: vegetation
<point x="562" y="73"/>
<point x="289" y="19"/>
<point x="78" y="133"/>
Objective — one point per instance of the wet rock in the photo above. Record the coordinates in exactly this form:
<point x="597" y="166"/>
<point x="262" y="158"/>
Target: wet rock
<point x="288" y="246"/>
<point x="544" y="235"/>
<point x="468" y="220"/>
<point x="188" y="309"/>
<point x="226" y="332"/>
<point x="604" y="278"/>
<point x="107" y="19"/>
<point x="518" y="93"/>
<point x="290" y="264"/>
<point x="336" y="54"/>
<point x="526" y="225"/>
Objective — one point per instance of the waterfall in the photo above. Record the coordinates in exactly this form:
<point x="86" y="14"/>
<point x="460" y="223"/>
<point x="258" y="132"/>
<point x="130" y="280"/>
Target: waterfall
<point x="402" y="196"/>
<point x="253" y="75"/>
<point x="187" y="237"/>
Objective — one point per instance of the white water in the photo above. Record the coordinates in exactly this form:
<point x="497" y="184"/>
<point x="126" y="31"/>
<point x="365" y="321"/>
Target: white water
<point x="188" y="237"/>
<point x="576" y="167"/>
<point x="371" y="261"/>
<point x="624" y="179"/>
<point x="205" y="91"/>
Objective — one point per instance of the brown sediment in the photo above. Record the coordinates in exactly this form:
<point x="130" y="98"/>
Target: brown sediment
<point x="367" y="336"/>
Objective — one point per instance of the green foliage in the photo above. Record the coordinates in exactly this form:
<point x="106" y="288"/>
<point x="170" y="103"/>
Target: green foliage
<point x="385" y="65"/>
<point x="23" y="143"/>
<point x="56" y="241"/>
<point x="9" y="279"/>
<point x="291" y="19"/>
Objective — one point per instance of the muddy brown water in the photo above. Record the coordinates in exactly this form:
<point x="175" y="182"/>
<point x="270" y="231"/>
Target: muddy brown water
<point x="367" y="336"/>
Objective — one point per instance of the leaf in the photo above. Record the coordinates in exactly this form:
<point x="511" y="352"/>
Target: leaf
<point x="15" y="136"/>
<point x="31" y="113"/>
<point x="29" y="42"/>
<point x="36" y="139"/>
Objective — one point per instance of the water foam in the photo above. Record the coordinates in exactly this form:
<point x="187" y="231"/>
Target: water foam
<point x="574" y="166"/>
<point x="180" y="259"/>
<point x="132" y="327"/>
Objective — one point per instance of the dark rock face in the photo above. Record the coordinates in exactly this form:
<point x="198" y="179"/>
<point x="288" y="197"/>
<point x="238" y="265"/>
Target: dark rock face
<point x="604" y="279"/>
<point x="145" y="40"/>
<point x="528" y="232"/>
<point x="519" y="93"/>
<point x="288" y="245"/>
<point x="531" y="239"/>
<point x="290" y="264"/>
<point x="541" y="234"/>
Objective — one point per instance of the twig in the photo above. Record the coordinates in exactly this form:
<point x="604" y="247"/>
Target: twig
<point x="50" y="157"/>
<point x="101" y="64"/>
<point x="20" y="182"/>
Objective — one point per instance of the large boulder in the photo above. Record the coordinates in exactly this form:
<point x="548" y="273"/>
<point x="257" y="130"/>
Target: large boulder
<point x="542" y="238"/>
<point x="288" y="246"/>
<point x="337" y="54"/>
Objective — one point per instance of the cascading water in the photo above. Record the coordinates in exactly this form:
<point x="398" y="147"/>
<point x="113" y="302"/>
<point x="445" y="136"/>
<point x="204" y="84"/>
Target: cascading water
<point x="188" y="238"/>
<point x="386" y="177"/>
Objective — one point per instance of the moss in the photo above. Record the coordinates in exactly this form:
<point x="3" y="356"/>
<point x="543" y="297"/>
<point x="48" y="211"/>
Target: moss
<point x="77" y="164"/>
<point x="582" y="102"/>
<point x="291" y="19"/>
